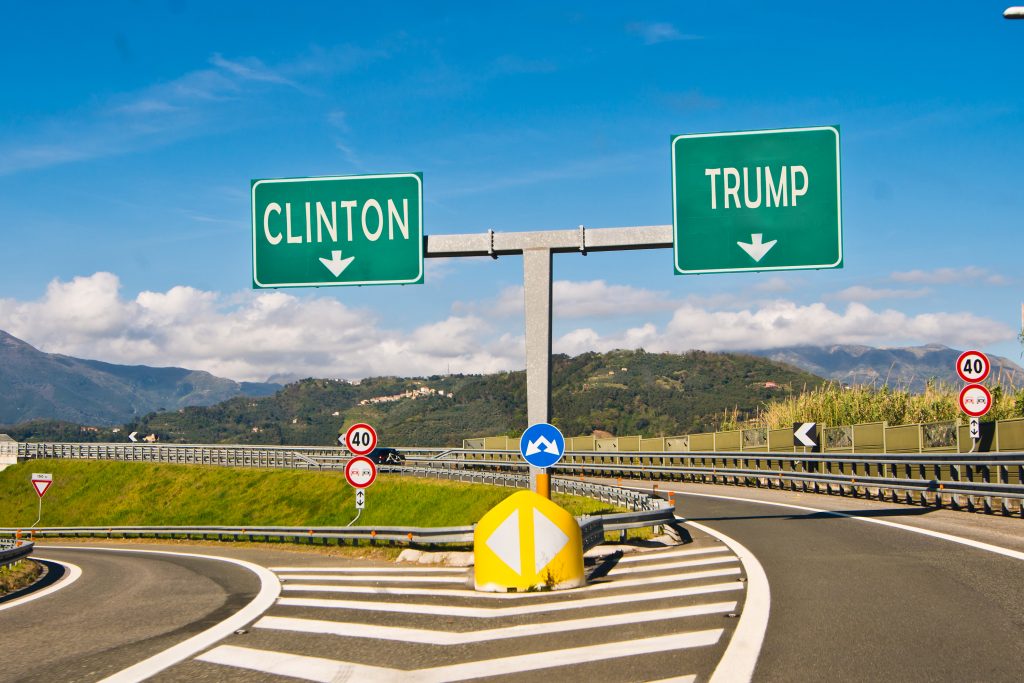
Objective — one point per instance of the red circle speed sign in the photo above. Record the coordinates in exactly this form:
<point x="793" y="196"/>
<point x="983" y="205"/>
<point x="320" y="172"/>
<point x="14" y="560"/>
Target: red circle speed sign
<point x="973" y="366"/>
<point x="975" y="400"/>
<point x="360" y="472"/>
<point x="361" y="438"/>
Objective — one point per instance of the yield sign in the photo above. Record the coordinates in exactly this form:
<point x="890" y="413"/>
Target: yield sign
<point x="41" y="482"/>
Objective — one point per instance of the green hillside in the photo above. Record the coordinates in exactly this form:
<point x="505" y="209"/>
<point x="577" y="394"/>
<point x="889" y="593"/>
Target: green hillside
<point x="621" y="392"/>
<point x="122" y="494"/>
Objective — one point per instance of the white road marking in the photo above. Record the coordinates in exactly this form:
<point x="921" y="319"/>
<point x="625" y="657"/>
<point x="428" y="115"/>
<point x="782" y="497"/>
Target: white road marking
<point x="494" y="612"/>
<point x="327" y="670"/>
<point x="73" y="572"/>
<point x="373" y="578"/>
<point x="679" y="564"/>
<point x="465" y="593"/>
<point x="370" y="570"/>
<point x="434" y="637"/>
<point x="270" y="588"/>
<point x="740" y="658"/>
<point x="662" y="554"/>
<point x="999" y="550"/>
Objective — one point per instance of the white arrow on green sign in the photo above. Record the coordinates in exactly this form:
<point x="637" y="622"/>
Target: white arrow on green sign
<point x="344" y="230"/>
<point x="759" y="200"/>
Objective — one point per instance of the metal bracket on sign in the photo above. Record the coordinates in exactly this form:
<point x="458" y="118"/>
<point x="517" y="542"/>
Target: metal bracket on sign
<point x="583" y="240"/>
<point x="490" y="243"/>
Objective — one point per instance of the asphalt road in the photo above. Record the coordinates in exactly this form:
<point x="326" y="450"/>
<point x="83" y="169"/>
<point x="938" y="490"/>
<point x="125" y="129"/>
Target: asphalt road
<point x="857" y="601"/>
<point x="125" y="607"/>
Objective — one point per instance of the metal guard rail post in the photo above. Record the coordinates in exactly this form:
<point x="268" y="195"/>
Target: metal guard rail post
<point x="19" y="551"/>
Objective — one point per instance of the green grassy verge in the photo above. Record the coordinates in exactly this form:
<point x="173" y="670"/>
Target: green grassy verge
<point x="122" y="494"/>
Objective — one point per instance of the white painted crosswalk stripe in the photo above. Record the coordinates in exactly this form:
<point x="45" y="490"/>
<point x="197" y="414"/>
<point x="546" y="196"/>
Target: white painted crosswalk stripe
<point x="518" y="610"/>
<point x="328" y="670"/>
<point x="434" y="637"/>
<point x="456" y="593"/>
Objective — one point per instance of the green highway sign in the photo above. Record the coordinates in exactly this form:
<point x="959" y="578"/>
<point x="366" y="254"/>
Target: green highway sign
<point x="345" y="230"/>
<point x="758" y="200"/>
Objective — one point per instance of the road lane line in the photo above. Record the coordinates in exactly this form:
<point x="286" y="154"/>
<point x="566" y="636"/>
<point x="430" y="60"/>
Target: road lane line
<point x="999" y="550"/>
<point x="744" y="648"/>
<point x="663" y="566"/>
<point x="270" y="588"/>
<point x="519" y="610"/>
<point x="327" y="670"/>
<point x="72" y="575"/>
<point x="372" y="578"/>
<point x="475" y="595"/>
<point x="436" y="637"/>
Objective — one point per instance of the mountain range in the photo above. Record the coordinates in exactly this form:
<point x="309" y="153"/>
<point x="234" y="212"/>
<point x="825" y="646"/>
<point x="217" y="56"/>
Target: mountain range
<point x="38" y="385"/>
<point x="907" y="368"/>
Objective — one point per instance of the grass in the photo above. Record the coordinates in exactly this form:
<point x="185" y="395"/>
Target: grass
<point x="18" y="575"/>
<point x="833" y="405"/>
<point x="97" y="493"/>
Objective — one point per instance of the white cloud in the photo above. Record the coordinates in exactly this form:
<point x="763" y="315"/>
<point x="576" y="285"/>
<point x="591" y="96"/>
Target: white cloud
<point x="194" y="103"/>
<point x="247" y="335"/>
<point x="254" y="335"/>
<point x="581" y="299"/>
<point x="774" y="285"/>
<point x="784" y="323"/>
<point x="657" y="32"/>
<point x="945" y="276"/>
<point x="863" y="293"/>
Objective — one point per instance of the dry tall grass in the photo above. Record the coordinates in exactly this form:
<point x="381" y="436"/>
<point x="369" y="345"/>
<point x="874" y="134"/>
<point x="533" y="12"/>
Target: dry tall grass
<point x="834" y="405"/>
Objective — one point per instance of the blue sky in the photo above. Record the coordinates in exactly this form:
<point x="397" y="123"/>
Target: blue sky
<point x="129" y="133"/>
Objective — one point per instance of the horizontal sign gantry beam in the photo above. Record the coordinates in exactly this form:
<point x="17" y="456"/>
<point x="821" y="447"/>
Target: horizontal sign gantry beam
<point x="494" y="243"/>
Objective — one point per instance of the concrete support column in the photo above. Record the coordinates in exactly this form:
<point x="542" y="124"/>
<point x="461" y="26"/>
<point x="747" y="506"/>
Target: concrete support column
<point x="537" y="291"/>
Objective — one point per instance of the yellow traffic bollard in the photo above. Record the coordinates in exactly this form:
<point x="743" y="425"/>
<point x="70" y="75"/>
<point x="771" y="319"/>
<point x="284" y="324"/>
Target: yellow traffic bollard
<point x="526" y="542"/>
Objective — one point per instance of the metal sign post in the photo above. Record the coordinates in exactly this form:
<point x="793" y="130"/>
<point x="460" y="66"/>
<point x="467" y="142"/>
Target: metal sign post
<point x="40" y="483"/>
<point x="537" y="249"/>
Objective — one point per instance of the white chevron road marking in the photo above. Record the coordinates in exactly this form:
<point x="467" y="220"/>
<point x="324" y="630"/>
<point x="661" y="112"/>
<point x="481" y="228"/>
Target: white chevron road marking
<point x="370" y="570"/>
<point x="370" y="578"/>
<point x="664" y="554"/>
<point x="518" y="610"/>
<point x="434" y="637"/>
<point x="672" y="564"/>
<point x="328" y="670"/>
<point x="456" y="593"/>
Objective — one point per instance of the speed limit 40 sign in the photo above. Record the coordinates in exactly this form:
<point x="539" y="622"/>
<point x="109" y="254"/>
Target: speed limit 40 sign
<point x="360" y="438"/>
<point x="973" y="366"/>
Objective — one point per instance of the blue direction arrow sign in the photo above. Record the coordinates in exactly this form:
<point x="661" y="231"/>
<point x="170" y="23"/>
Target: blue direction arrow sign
<point x="542" y="445"/>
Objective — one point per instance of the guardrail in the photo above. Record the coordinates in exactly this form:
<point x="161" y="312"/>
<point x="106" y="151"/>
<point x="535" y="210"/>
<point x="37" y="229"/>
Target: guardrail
<point x="645" y="510"/>
<point x="987" y="482"/>
<point x="16" y="552"/>
<point x="596" y="526"/>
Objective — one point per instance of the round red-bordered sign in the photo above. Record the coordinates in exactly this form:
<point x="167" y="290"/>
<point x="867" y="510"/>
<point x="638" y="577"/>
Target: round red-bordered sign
<point x="973" y="366"/>
<point x="360" y="472"/>
<point x="360" y="438"/>
<point x="975" y="400"/>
